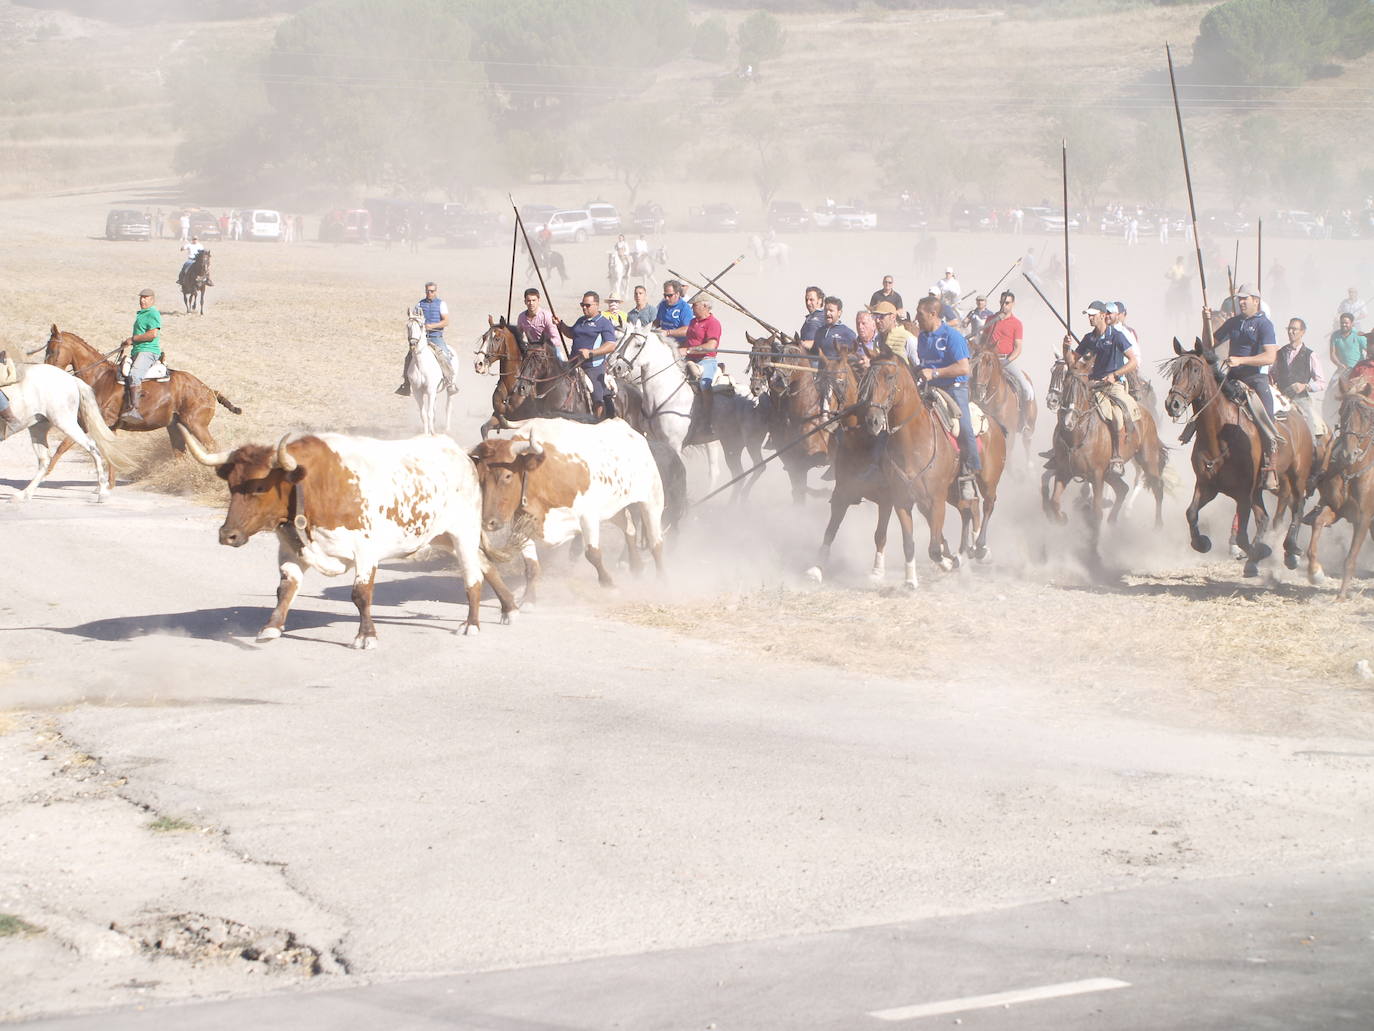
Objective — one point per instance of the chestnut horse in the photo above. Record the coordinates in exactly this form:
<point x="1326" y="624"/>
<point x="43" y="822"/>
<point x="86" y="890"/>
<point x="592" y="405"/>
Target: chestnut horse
<point x="782" y="369"/>
<point x="990" y="387"/>
<point x="182" y="399"/>
<point x="1227" y="456"/>
<point x="1083" y="449"/>
<point x="193" y="282"/>
<point x="1347" y="489"/>
<point x="500" y="351"/>
<point x="890" y="425"/>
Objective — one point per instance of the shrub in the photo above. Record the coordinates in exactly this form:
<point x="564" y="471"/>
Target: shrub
<point x="761" y="37"/>
<point x="711" y="40"/>
<point x="1281" y="42"/>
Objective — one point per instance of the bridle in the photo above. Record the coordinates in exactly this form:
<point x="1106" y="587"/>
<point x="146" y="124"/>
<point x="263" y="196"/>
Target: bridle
<point x="1194" y="386"/>
<point x="485" y="358"/>
<point x="1357" y="459"/>
<point x="415" y="330"/>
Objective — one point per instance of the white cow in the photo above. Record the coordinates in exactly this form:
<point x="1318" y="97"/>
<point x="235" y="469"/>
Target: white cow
<point x="341" y="503"/>
<point x="556" y="478"/>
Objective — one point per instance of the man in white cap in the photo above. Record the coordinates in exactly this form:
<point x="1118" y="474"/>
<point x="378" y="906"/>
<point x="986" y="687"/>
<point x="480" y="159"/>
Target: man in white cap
<point x="949" y="284"/>
<point x="1113" y="360"/>
<point x="1253" y="348"/>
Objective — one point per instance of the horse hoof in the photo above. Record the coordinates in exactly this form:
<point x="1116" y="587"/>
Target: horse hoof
<point x="507" y="618"/>
<point x="1260" y="552"/>
<point x="1290" y="560"/>
<point x="949" y="564"/>
<point x="1251" y="569"/>
<point x="909" y="586"/>
<point x="876" y="576"/>
<point x="1202" y="544"/>
<point x="364" y="643"/>
<point x="268" y="633"/>
<point x="1062" y="518"/>
<point x="1317" y="578"/>
<point x="1237" y="552"/>
<point x="982" y="554"/>
<point x="814" y="574"/>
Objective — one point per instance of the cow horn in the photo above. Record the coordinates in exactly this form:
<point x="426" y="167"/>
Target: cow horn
<point x="533" y="447"/>
<point x="200" y="454"/>
<point x="285" y="460"/>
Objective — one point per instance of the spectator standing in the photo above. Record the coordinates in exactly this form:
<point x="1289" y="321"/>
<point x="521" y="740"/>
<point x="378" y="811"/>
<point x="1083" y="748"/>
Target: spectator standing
<point x="886" y="293"/>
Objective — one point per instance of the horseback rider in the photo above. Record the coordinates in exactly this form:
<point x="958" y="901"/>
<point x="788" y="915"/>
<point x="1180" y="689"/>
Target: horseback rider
<point x="1004" y="335"/>
<point x="834" y="337"/>
<point x="1297" y="374"/>
<point x="977" y="319"/>
<point x="886" y="293"/>
<point x="641" y="314"/>
<point x="436" y="318"/>
<point x="939" y="356"/>
<point x="591" y="327"/>
<point x="891" y="333"/>
<point x="674" y="313"/>
<point x="1113" y="360"/>
<point x="1135" y="383"/>
<point x="700" y="346"/>
<point x="814" y="299"/>
<point x="146" y="349"/>
<point x="192" y="248"/>
<point x="9" y="422"/>
<point x="1253" y="346"/>
<point x="534" y="324"/>
<point x="616" y="317"/>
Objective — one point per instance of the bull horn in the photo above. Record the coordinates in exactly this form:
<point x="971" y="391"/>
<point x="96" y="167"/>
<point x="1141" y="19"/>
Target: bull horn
<point x="285" y="460"/>
<point x="200" y="454"/>
<point x="532" y="447"/>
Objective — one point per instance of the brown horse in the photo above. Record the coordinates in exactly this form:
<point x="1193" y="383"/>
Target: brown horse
<point x="499" y="350"/>
<point x="1347" y="489"/>
<point x="785" y="371"/>
<point x="1227" y="455"/>
<point x="990" y="387"/>
<point x="917" y="466"/>
<point x="1083" y="449"/>
<point x="194" y="281"/>
<point x="179" y="405"/>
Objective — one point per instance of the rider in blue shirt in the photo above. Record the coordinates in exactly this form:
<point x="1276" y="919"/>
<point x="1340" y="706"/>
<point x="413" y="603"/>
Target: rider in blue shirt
<point x="815" y="318"/>
<point x="939" y="356"/>
<point x="674" y="313"/>
<point x="834" y="335"/>
<point x="593" y="337"/>
<point x="1114" y="358"/>
<point x="1254" y="347"/>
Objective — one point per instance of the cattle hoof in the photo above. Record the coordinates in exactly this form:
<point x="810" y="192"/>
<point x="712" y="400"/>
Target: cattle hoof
<point x="472" y="629"/>
<point x="1237" y="552"/>
<point x="268" y="633"/>
<point x="363" y="644"/>
<point x="1202" y="544"/>
<point x="814" y="574"/>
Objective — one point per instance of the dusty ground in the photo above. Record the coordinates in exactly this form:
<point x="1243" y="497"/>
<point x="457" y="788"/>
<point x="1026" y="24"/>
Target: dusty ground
<point x="726" y="755"/>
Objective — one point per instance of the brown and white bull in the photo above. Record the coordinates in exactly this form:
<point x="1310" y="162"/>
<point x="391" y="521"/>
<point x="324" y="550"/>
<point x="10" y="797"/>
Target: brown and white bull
<point x="338" y="503"/>
<point x="556" y="478"/>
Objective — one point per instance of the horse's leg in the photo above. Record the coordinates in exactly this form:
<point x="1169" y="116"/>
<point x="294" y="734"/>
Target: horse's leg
<point x="1121" y="494"/>
<point x="1203" y="493"/>
<point x="1259" y="550"/>
<point x="965" y="527"/>
<point x="880" y="541"/>
<point x="1053" y="507"/>
<point x="980" y="547"/>
<point x="797" y="474"/>
<point x="632" y="557"/>
<point x="1296" y="484"/>
<point x="1326" y="515"/>
<point x="62" y="449"/>
<point x="1360" y="527"/>
<point x="837" y="512"/>
<point x="38" y="435"/>
<point x="904" y="520"/>
<point x="937" y="549"/>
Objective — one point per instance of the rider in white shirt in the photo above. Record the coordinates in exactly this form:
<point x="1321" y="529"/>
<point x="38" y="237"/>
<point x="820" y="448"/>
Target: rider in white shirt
<point x="949" y="283"/>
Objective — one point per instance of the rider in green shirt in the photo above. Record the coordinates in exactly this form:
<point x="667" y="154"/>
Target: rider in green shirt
<point x="1347" y="345"/>
<point x="146" y="350"/>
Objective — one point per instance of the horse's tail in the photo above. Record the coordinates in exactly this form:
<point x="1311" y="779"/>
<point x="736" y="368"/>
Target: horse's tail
<point x="93" y="422"/>
<point x="226" y="402"/>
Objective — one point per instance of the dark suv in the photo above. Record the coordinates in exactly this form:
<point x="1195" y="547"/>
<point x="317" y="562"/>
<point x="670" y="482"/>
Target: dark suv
<point x="127" y="224"/>
<point x="787" y="215"/>
<point x="472" y="229"/>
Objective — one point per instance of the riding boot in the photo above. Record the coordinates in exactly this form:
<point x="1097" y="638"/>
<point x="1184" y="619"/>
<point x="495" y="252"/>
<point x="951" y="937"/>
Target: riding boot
<point x="968" y="483"/>
<point x="132" y="396"/>
<point x="450" y="382"/>
<point x="1271" y="477"/>
<point x="9" y="422"/>
<point x="1116" y="466"/>
<point x="404" y="389"/>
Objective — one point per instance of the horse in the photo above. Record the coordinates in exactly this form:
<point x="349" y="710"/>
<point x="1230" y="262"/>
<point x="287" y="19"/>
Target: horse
<point x="182" y="400"/>
<point x="1346" y="491"/>
<point x="44" y="397"/>
<point x="642" y="265"/>
<point x="782" y="370"/>
<point x="892" y="426"/>
<point x="424" y="375"/>
<point x="499" y="349"/>
<point x="193" y="281"/>
<point x="991" y="388"/>
<point x="548" y="386"/>
<point x="549" y="259"/>
<point x="1227" y="455"/>
<point x="1083" y="448"/>
<point x="770" y="251"/>
<point x="617" y="273"/>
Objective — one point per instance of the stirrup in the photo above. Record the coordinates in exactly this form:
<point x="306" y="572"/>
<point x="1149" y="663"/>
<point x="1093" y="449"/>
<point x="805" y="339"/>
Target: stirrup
<point x="1117" y="466"/>
<point x="403" y="390"/>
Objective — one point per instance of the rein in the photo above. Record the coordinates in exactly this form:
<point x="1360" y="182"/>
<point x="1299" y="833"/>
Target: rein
<point x="100" y="360"/>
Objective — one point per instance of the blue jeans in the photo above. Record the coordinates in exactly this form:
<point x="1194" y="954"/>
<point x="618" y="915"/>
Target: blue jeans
<point x="4" y="401"/>
<point x="708" y="370"/>
<point x="438" y="341"/>
<point x="597" y="374"/>
<point x="1251" y="377"/>
<point x="968" y="442"/>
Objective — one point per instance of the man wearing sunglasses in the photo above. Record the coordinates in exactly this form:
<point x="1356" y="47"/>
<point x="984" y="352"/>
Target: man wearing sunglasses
<point x="674" y="313"/>
<point x="593" y="337"/>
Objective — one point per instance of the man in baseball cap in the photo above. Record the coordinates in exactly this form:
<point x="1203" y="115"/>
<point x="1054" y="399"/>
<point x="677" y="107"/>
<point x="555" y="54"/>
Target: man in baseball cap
<point x="1254" y="347"/>
<point x="1113" y="360"/>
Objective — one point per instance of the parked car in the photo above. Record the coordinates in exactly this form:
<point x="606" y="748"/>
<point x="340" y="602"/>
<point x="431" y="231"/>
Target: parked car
<point x="787" y="216"/>
<point x="262" y="224"/>
<point x="972" y="218"/>
<point x="351" y="225"/>
<point x="649" y="219"/>
<point x="848" y="217"/>
<point x="472" y="229"/>
<point x="127" y="224"/>
<point x="823" y="218"/>
<point x="604" y="216"/>
<point x="713" y="218"/>
<point x="572" y="224"/>
<point x="1224" y="223"/>
<point x="1295" y="223"/>
<point x="204" y="225"/>
<point x="904" y="217"/>
<point x="1040" y="219"/>
<point x="535" y="215"/>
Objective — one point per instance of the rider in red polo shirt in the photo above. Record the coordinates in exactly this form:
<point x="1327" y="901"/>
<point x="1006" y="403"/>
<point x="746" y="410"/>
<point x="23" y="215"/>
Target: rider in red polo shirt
<point x="700" y="346"/>
<point x="1005" y="334"/>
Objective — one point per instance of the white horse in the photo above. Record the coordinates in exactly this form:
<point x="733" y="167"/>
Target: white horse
<point x="649" y="361"/>
<point x="617" y="273"/>
<point x="425" y="375"/>
<point x="766" y="251"/>
<point x="47" y="396"/>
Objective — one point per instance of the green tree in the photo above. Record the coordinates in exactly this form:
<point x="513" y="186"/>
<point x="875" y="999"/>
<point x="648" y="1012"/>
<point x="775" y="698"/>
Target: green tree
<point x="711" y="40"/>
<point x="1281" y="42"/>
<point x="761" y="37"/>
<point x="1096" y="152"/>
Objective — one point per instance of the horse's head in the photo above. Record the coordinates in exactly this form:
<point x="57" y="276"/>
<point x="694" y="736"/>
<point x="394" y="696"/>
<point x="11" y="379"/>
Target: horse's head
<point x="61" y="349"/>
<point x="1356" y="434"/>
<point x="415" y="327"/>
<point x="496" y="343"/>
<point x="885" y="388"/>
<point x="761" y="372"/>
<point x="1188" y="372"/>
<point x="533" y="367"/>
<point x="1075" y="395"/>
<point x="633" y="340"/>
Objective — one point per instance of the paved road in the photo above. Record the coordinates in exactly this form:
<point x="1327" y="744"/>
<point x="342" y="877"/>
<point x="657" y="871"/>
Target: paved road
<point x="1283" y="952"/>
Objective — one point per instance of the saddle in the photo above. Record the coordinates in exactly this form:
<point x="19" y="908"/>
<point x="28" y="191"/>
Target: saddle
<point x="9" y="375"/>
<point x="1110" y="412"/>
<point x="157" y="372"/>
<point x="721" y="383"/>
<point x="947" y="411"/>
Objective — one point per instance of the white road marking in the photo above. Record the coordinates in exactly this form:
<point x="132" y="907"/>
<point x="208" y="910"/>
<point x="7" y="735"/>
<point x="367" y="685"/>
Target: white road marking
<point x="980" y="1002"/>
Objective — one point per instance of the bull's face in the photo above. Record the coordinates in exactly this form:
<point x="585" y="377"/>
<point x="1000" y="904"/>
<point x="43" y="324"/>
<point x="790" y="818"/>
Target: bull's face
<point x="260" y="480"/>
<point x="503" y="468"/>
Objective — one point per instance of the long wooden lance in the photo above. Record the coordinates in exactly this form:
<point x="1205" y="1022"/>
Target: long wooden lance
<point x="520" y="224"/>
<point x="712" y="281"/>
<point x="716" y="291"/>
<point x="1187" y="177"/>
<point x="995" y="285"/>
<point x="738" y="307"/>
<point x="1068" y="307"/>
<point x="1234" y="270"/>
<point x="1050" y="305"/>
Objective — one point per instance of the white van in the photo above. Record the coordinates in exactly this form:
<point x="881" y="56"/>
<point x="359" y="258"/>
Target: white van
<point x="262" y="224"/>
